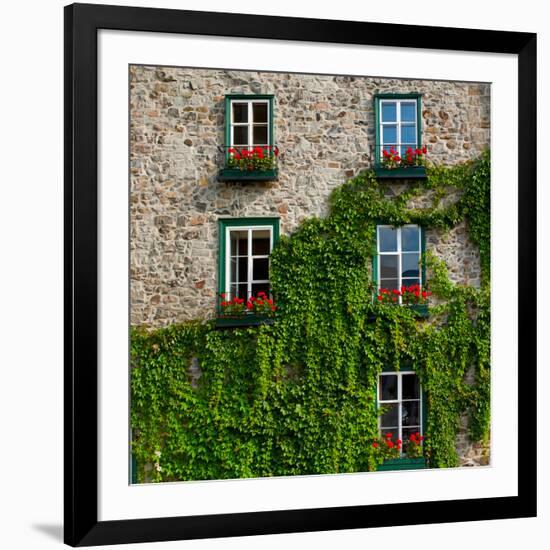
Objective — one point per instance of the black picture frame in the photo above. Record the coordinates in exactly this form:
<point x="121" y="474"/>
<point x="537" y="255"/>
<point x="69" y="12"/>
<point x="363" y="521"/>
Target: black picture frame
<point x="82" y="22"/>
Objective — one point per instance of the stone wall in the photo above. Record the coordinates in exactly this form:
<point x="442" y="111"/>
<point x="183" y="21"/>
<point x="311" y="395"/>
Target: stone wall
<point x="324" y="127"/>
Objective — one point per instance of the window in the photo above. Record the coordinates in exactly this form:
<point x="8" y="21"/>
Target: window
<point x="400" y="394"/>
<point x="398" y="123"/>
<point x="249" y="121"/>
<point x="398" y="260"/>
<point x="250" y="151"/>
<point x="245" y="247"/>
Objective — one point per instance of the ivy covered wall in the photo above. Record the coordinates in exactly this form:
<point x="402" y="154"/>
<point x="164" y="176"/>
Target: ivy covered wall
<point x="299" y="397"/>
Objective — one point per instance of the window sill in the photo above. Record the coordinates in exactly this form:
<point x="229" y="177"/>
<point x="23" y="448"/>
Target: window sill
<point x="409" y="172"/>
<point x="233" y="174"/>
<point x="403" y="464"/>
<point x="243" y="321"/>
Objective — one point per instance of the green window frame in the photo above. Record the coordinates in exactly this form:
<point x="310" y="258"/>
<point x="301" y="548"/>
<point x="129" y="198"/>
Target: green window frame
<point x="248" y="226"/>
<point x="245" y="122"/>
<point x="399" y="100"/>
<point x="399" y="253"/>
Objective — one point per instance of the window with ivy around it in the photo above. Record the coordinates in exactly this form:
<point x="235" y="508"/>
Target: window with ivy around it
<point x="400" y="396"/>
<point x="399" y="261"/>
<point x="245" y="249"/>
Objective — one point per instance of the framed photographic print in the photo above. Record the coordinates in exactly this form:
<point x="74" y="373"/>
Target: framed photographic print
<point x="300" y="273"/>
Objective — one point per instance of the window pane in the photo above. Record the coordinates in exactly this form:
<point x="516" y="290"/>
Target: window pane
<point x="410" y="241"/>
<point x="389" y="284"/>
<point x="260" y="135"/>
<point x="410" y="413"/>
<point x="408" y="111"/>
<point x="239" y="270"/>
<point x="408" y="134"/>
<point x="410" y="387"/>
<point x="389" y="134"/>
<point x="260" y="287"/>
<point x="240" y="135"/>
<point x="389" y="111"/>
<point x="239" y="291"/>
<point x="261" y="242"/>
<point x="240" y="112"/>
<point x="260" y="269"/>
<point x="388" y="387"/>
<point x="410" y="265"/>
<point x="260" y="112"/>
<point x="387" y="239"/>
<point x="388" y="266"/>
<point x="390" y="418"/>
<point x="239" y="243"/>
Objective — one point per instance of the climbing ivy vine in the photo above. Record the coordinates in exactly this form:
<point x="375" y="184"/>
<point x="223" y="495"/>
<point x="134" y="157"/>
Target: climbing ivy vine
<point x="299" y="397"/>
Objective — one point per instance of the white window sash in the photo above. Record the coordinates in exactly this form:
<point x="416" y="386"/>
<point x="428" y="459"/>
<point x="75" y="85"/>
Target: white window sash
<point x="250" y="124"/>
<point x="249" y="256"/>
<point x="398" y="123"/>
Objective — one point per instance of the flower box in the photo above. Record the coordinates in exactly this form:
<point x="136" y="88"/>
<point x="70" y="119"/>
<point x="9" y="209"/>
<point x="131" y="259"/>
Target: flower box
<point x="234" y="174"/>
<point x="409" y="166"/>
<point x="257" y="163"/>
<point x="413" y="297"/>
<point x="401" y="172"/>
<point x="238" y="312"/>
<point x="248" y="320"/>
<point x="403" y="463"/>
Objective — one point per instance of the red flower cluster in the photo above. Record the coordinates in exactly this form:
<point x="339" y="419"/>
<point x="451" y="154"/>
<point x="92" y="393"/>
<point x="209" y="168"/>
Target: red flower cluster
<point x="257" y="158"/>
<point x="390" y="443"/>
<point x="261" y="304"/>
<point x="416" y="438"/>
<point x="414" y="445"/>
<point x="412" y="157"/>
<point x="391" y="158"/>
<point x="386" y="449"/>
<point x="412" y="294"/>
<point x="233" y="307"/>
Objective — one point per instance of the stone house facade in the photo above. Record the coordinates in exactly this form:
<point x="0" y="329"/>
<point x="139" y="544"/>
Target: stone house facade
<point x="326" y="130"/>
